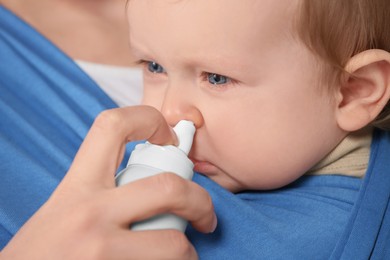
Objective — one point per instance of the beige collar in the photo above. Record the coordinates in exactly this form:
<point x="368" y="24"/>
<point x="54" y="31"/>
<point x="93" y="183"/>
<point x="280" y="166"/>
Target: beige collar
<point x="349" y="158"/>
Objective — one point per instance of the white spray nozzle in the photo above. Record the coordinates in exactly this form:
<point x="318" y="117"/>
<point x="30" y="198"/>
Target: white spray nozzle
<point x="185" y="131"/>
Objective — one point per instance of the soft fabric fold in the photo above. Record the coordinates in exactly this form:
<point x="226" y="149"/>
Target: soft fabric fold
<point x="47" y="105"/>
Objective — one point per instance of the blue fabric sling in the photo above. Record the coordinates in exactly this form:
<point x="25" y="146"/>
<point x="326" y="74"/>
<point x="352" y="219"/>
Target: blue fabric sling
<point x="47" y="105"/>
<point x="316" y="217"/>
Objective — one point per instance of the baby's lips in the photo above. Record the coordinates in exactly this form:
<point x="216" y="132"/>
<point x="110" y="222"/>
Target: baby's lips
<point x="205" y="167"/>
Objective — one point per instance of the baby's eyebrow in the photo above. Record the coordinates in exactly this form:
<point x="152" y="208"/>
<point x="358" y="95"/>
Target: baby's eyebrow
<point x="223" y="65"/>
<point x="227" y="64"/>
<point x="135" y="50"/>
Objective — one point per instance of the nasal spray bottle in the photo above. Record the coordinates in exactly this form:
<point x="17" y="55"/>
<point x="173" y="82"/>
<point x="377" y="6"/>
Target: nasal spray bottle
<point x="149" y="159"/>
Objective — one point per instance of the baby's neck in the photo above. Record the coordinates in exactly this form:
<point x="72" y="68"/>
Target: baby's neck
<point x="349" y="158"/>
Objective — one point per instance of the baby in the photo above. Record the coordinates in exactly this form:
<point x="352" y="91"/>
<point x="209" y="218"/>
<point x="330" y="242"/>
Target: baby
<point x="284" y="95"/>
<point x="272" y="86"/>
<point x="277" y="90"/>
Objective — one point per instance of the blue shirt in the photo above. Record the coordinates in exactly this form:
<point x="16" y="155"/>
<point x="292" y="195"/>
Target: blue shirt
<point x="47" y="105"/>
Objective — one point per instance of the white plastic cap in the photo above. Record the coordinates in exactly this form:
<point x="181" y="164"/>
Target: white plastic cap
<point x="185" y="131"/>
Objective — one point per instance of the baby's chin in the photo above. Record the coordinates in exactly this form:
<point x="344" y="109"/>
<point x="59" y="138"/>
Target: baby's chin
<point x="218" y="175"/>
<point x="235" y="185"/>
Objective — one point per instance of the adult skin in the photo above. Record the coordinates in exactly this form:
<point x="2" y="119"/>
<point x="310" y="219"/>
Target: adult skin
<point x="87" y="217"/>
<point x="89" y="30"/>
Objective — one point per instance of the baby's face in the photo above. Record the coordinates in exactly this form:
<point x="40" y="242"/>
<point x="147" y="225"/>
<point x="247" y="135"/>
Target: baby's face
<point x="238" y="70"/>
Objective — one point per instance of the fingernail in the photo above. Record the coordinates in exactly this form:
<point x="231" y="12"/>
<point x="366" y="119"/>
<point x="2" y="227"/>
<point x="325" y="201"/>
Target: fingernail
<point x="175" y="139"/>
<point x="215" y="223"/>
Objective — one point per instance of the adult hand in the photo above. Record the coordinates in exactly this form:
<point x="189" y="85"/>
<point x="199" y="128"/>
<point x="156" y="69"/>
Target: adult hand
<point x="87" y="217"/>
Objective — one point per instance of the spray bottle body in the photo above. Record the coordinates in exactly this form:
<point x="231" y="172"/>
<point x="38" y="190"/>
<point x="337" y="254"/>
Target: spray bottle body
<point x="149" y="159"/>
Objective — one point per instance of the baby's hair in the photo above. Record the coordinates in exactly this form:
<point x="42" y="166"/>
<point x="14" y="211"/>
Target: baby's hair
<point x="336" y="30"/>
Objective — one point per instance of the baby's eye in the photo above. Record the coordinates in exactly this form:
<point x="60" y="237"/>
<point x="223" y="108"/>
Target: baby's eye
<point x="217" y="79"/>
<point x="154" y="67"/>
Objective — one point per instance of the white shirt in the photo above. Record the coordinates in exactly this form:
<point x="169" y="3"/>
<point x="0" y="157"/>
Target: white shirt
<point x="122" y="84"/>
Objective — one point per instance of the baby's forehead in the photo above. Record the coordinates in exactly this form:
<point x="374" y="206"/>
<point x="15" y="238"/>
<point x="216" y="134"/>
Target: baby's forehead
<point x="266" y="9"/>
<point x="221" y="36"/>
<point x="265" y="19"/>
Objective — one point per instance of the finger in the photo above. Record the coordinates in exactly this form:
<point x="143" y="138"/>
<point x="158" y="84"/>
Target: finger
<point x="163" y="193"/>
<point x="102" y="150"/>
<point x="158" y="244"/>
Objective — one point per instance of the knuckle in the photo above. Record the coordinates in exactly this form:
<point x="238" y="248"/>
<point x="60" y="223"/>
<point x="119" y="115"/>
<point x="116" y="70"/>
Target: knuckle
<point x="158" y="117"/>
<point x="108" y="119"/>
<point x="155" y="115"/>
<point x="170" y="185"/>
<point x="152" y="112"/>
<point x="180" y="244"/>
<point x="208" y="204"/>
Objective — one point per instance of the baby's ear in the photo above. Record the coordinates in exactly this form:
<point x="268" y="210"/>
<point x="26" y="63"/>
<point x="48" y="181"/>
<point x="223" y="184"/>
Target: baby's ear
<point x="366" y="90"/>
